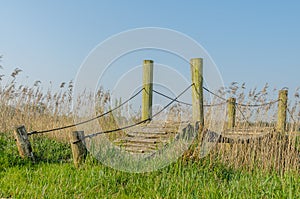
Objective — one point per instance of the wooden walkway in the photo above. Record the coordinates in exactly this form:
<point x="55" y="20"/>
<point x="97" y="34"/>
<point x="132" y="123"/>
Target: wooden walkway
<point x="154" y="136"/>
<point x="151" y="137"/>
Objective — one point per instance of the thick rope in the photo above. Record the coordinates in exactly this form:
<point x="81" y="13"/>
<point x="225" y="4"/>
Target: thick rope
<point x="166" y="96"/>
<point x="135" y="124"/>
<point x="214" y="94"/>
<point x="185" y="103"/>
<point x="89" y="120"/>
<point x="258" y="105"/>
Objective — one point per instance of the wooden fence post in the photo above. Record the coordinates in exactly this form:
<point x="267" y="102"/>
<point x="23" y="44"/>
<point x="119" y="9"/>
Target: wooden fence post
<point x="197" y="105"/>
<point x="282" y="111"/>
<point x="78" y="147"/>
<point x="23" y="144"/>
<point x="197" y="90"/>
<point x="231" y="112"/>
<point x="148" y="89"/>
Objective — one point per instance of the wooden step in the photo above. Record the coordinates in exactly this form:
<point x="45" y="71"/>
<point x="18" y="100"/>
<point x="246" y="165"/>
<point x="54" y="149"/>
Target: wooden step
<point x="139" y="150"/>
<point x="150" y="135"/>
<point x="139" y="145"/>
<point x="148" y="138"/>
<point x="158" y="130"/>
<point x="140" y="140"/>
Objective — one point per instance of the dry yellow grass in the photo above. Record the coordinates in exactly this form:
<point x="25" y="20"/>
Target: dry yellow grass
<point x="38" y="109"/>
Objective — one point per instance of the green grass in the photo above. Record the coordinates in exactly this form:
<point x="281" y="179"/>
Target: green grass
<point x="54" y="176"/>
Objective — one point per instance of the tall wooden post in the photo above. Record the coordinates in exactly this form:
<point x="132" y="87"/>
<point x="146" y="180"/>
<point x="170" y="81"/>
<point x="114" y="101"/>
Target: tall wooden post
<point x="197" y="106"/>
<point x="23" y="144"/>
<point x="231" y="112"/>
<point x="282" y="111"/>
<point x="197" y="90"/>
<point x="148" y="87"/>
<point x="78" y="147"/>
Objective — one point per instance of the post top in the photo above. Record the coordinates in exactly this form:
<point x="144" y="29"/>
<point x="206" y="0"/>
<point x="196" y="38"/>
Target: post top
<point x="148" y="61"/>
<point x="196" y="59"/>
<point x="284" y="91"/>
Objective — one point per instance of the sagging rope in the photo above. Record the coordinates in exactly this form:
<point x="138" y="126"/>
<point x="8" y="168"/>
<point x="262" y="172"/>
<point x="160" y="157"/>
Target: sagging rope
<point x="185" y="103"/>
<point x="89" y="120"/>
<point x="244" y="105"/>
<point x="138" y="123"/>
<point x="168" y="97"/>
<point x="241" y="104"/>
<point x="173" y="100"/>
<point x="258" y="105"/>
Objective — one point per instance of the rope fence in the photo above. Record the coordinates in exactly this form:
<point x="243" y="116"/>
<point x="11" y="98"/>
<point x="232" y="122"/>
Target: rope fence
<point x="225" y="101"/>
<point x="89" y="120"/>
<point x="147" y="91"/>
<point x="138" y="123"/>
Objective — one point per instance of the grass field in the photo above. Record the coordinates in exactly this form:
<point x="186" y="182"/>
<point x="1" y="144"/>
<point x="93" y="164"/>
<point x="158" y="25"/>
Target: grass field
<point x="54" y="176"/>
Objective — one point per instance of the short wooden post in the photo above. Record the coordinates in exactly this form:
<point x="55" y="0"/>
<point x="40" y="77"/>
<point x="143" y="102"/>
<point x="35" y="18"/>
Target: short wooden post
<point x="197" y="90"/>
<point x="23" y="144"/>
<point x="231" y="112"/>
<point x="282" y="111"/>
<point x="148" y="89"/>
<point x="78" y="147"/>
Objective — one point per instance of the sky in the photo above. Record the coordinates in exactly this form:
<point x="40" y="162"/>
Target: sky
<point x="255" y="42"/>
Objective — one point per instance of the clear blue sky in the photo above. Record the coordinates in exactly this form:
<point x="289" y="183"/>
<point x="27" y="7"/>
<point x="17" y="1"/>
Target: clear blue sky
<point x="250" y="41"/>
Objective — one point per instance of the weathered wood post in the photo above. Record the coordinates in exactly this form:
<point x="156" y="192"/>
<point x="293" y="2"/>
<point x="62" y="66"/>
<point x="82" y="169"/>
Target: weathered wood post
<point x="282" y="111"/>
<point x="23" y="144"/>
<point x="197" y="90"/>
<point x="197" y="105"/>
<point x="78" y="147"/>
<point x="148" y="89"/>
<point x="231" y="112"/>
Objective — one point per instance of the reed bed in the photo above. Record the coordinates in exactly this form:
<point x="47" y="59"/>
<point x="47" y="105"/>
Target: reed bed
<point x="40" y="109"/>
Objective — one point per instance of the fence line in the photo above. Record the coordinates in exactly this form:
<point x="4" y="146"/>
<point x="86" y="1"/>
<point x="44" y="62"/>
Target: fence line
<point x="168" y="97"/>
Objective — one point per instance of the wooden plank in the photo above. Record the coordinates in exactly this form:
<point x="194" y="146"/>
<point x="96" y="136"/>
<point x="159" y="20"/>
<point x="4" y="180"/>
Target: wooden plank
<point x="139" y="140"/>
<point x="139" y="150"/>
<point x="158" y="129"/>
<point x="148" y="135"/>
<point x="139" y="145"/>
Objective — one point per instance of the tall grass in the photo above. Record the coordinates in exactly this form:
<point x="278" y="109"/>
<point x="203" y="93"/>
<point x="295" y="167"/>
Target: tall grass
<point x="40" y="109"/>
<point x="271" y="150"/>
